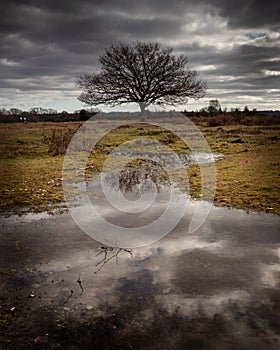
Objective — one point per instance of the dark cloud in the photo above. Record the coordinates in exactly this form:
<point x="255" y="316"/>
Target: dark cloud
<point x="46" y="44"/>
<point x="250" y="13"/>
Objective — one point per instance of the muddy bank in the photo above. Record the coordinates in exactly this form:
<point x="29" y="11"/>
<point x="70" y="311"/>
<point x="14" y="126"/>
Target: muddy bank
<point x="217" y="288"/>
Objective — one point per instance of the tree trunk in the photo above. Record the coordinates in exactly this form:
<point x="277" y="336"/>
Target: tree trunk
<point x="142" y="109"/>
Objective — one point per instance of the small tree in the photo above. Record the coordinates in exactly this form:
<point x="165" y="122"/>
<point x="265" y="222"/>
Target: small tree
<point x="214" y="107"/>
<point x="246" y="110"/>
<point x="83" y="115"/>
<point x="144" y="73"/>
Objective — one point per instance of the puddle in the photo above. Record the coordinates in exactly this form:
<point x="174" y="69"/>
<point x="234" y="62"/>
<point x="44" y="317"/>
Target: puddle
<point x="163" y="155"/>
<point x="139" y="202"/>
<point x="205" y="290"/>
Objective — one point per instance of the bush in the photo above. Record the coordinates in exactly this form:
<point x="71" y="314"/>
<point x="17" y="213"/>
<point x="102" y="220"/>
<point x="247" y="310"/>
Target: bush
<point x="58" y="141"/>
<point x="83" y="115"/>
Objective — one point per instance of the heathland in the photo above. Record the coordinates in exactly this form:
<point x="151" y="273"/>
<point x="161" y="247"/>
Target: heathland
<point x="31" y="158"/>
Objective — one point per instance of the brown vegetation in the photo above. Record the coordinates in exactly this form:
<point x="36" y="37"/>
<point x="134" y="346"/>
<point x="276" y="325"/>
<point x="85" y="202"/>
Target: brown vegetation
<point x="247" y="176"/>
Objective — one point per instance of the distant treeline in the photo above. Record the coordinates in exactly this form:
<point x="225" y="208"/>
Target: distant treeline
<point x="202" y="117"/>
<point x="31" y="116"/>
<point x="234" y="117"/>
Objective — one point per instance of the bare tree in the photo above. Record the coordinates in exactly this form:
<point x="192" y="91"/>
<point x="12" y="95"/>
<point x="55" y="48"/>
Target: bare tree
<point x="214" y="107"/>
<point x="140" y="72"/>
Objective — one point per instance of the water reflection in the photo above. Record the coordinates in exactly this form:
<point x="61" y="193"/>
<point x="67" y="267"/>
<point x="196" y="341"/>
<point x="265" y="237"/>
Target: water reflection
<point x="139" y="176"/>
<point x="225" y="275"/>
<point x="150" y="149"/>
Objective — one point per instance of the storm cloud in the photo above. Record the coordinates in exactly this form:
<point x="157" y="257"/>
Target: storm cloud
<point x="46" y="44"/>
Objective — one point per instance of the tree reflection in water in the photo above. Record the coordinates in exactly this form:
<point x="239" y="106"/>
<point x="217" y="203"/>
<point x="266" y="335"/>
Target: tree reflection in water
<point x="139" y="176"/>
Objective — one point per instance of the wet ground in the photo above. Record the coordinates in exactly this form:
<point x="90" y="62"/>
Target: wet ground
<point x="218" y="288"/>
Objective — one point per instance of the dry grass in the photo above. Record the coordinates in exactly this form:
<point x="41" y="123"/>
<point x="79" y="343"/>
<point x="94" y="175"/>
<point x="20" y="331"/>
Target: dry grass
<point x="31" y="174"/>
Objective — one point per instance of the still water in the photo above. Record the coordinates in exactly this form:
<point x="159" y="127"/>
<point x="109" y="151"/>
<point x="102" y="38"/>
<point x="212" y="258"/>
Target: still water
<point x="217" y="288"/>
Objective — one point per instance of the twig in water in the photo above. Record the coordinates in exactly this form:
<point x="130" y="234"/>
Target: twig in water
<point x="128" y="251"/>
<point x="69" y="297"/>
<point x="105" y="259"/>
<point x="80" y="284"/>
<point x="105" y="251"/>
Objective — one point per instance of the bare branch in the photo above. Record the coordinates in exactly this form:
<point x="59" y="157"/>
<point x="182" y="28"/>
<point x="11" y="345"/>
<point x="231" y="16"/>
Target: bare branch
<point x="80" y="284"/>
<point x="68" y="298"/>
<point x="106" y="250"/>
<point x="144" y="73"/>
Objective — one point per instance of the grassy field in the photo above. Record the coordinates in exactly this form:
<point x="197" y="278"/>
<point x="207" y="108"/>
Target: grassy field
<point x="31" y="157"/>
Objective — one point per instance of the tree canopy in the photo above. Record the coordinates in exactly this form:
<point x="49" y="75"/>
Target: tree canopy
<point x="140" y="72"/>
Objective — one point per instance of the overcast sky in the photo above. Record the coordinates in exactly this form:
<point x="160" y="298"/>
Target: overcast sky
<point x="46" y="44"/>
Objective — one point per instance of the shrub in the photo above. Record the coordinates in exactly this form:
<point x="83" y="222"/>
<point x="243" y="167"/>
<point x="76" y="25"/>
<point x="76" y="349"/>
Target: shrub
<point x="83" y="115"/>
<point x="58" y="141"/>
